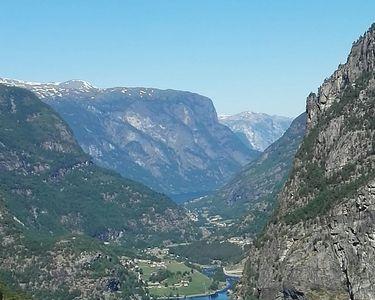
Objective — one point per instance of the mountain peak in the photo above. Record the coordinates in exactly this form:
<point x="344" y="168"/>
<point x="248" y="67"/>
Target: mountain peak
<point x="326" y="205"/>
<point x="258" y="129"/>
<point x="360" y="60"/>
<point x="53" y="90"/>
<point x="77" y="84"/>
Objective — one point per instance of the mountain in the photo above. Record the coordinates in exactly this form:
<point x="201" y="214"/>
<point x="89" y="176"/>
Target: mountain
<point x="169" y="140"/>
<point x="257" y="130"/>
<point x="61" y="267"/>
<point x="65" y="223"/>
<point x="320" y="243"/>
<point x="253" y="191"/>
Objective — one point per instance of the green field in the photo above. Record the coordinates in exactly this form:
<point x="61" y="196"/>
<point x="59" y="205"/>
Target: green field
<point x="199" y="283"/>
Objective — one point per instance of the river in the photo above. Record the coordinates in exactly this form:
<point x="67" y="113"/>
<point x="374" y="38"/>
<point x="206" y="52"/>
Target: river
<point x="221" y="295"/>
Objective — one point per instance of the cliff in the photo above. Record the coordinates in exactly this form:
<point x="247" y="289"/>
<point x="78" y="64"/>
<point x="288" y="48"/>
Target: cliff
<point x="320" y="243"/>
<point x="169" y="140"/>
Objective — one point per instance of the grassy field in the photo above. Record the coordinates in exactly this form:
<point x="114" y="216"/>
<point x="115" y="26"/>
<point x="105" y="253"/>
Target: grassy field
<point x="199" y="283"/>
<point x="147" y="270"/>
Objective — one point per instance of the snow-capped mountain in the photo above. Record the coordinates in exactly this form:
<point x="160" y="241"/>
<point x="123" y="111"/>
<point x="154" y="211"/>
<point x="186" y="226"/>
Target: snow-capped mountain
<point x="54" y="89"/>
<point x="257" y="130"/>
<point x="169" y="140"/>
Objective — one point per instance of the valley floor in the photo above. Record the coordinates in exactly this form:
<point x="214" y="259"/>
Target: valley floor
<point x="167" y="275"/>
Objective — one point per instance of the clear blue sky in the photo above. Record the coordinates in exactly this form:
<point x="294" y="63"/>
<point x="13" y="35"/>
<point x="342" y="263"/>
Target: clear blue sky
<point x="259" y="55"/>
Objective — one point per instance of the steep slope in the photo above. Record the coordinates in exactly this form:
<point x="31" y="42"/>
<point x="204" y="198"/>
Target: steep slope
<point x="61" y="267"/>
<point x="320" y="244"/>
<point x="257" y="130"/>
<point x="168" y="140"/>
<point x="57" y="208"/>
<point x="252" y="192"/>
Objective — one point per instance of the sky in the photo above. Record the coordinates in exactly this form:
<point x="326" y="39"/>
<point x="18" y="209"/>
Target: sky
<point x="257" y="55"/>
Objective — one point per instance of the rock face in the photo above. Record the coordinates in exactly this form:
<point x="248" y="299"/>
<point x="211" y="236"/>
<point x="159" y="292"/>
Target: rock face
<point x="257" y="130"/>
<point x="60" y="214"/>
<point x="253" y="191"/>
<point x="320" y="244"/>
<point x="168" y="140"/>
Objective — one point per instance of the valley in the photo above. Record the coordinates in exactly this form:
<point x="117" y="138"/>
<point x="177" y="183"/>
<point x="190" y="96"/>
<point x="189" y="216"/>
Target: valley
<point x="78" y="229"/>
<point x="144" y="193"/>
<point x="257" y="130"/>
<point x="240" y="209"/>
<point x="169" y="140"/>
<point x="170" y="274"/>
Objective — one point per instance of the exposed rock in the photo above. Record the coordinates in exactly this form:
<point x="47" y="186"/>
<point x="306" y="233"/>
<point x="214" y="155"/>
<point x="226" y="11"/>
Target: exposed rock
<point x="249" y="198"/>
<point x="60" y="214"/>
<point x="169" y="140"/>
<point x="293" y="294"/>
<point x="257" y="130"/>
<point x="320" y="241"/>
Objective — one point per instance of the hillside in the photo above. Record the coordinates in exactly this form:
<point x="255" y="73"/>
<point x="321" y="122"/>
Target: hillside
<point x="320" y="243"/>
<point x="257" y="130"/>
<point x="169" y="140"/>
<point x="7" y="294"/>
<point x="65" y="223"/>
<point x="250" y="196"/>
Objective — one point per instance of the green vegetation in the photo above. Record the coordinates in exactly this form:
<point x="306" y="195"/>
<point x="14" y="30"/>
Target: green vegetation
<point x="218" y="278"/>
<point x="8" y="294"/>
<point x="326" y="198"/>
<point x="219" y="275"/>
<point x="203" y="252"/>
<point x="259" y="219"/>
<point x="324" y="192"/>
<point x="51" y="165"/>
<point x="57" y="204"/>
<point x="252" y="277"/>
<point x="175" y="278"/>
<point x="161" y="275"/>
<point x="249" y="199"/>
<point x="102" y="264"/>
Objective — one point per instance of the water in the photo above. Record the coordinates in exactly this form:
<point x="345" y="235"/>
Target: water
<point x="218" y="296"/>
<point x="222" y="295"/>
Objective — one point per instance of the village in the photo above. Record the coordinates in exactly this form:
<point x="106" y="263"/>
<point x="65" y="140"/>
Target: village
<point x="165" y="276"/>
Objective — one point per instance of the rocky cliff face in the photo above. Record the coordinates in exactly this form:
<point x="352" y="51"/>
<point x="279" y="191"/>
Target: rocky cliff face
<point x="252" y="192"/>
<point x="168" y="140"/>
<point x="64" y="222"/>
<point x="320" y="243"/>
<point x="257" y="130"/>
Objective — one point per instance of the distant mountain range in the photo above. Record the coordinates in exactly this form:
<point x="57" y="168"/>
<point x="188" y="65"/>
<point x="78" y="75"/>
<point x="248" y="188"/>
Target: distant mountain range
<point x="256" y="130"/>
<point x="250" y="196"/>
<point x="169" y="140"/>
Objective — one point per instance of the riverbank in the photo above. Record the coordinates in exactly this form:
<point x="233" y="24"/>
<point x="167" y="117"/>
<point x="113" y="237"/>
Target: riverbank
<point x="220" y="294"/>
<point x="233" y="273"/>
<point x="208" y="295"/>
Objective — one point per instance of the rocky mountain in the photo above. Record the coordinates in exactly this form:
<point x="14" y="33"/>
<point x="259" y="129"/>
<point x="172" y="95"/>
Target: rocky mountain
<point x="320" y="243"/>
<point x="257" y="130"/>
<point x="169" y="140"/>
<point x="250" y="196"/>
<point x="64" y="222"/>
